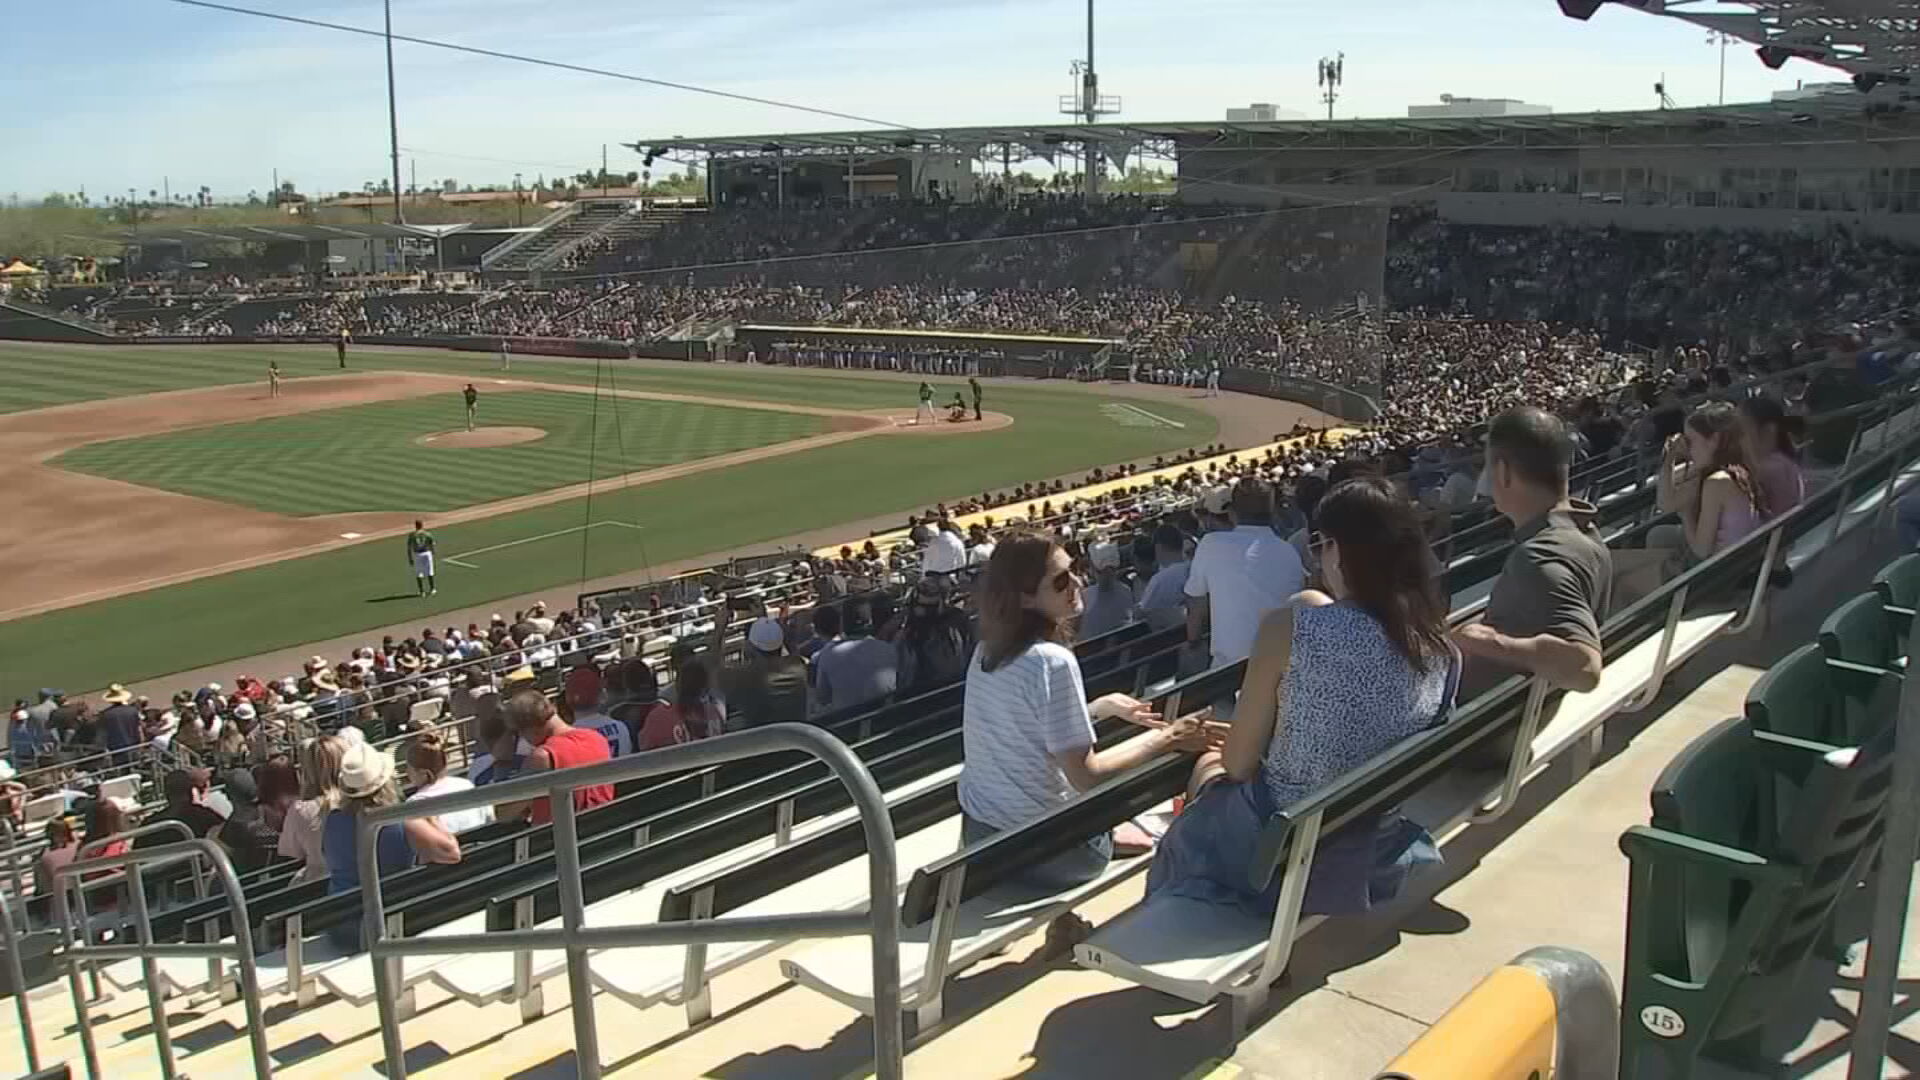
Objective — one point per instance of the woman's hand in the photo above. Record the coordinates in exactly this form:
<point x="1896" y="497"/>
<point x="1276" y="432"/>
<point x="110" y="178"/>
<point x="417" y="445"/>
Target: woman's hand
<point x="1187" y="734"/>
<point x="1125" y="707"/>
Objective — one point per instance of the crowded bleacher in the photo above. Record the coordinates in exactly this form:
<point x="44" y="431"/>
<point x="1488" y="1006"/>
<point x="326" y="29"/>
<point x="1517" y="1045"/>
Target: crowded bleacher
<point x="1542" y="456"/>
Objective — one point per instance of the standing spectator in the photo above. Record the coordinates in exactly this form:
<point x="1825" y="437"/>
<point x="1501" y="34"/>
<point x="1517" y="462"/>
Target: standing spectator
<point x="858" y="668"/>
<point x="1027" y="727"/>
<point x="766" y="685"/>
<point x="119" y="722"/>
<point x="946" y="552"/>
<point x="427" y="772"/>
<point x="1163" y="603"/>
<point x="301" y="834"/>
<point x="556" y="745"/>
<point x="1106" y="602"/>
<point x="1239" y="575"/>
<point x="1544" y="613"/>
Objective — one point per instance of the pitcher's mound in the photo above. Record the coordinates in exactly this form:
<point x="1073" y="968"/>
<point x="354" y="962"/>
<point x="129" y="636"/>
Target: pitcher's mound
<point x="901" y="422"/>
<point x="481" y="437"/>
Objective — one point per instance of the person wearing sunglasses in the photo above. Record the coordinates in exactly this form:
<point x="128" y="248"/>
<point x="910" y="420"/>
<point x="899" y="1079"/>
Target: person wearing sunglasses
<point x="1027" y="726"/>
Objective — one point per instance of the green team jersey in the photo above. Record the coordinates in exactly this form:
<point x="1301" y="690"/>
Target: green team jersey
<point x="418" y="541"/>
<point x="926" y="392"/>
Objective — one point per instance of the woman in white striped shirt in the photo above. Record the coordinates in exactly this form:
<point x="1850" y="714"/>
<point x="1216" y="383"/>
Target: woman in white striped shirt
<point x="1027" y="725"/>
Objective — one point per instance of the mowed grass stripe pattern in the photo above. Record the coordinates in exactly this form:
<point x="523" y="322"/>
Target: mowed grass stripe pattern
<point x="365" y="457"/>
<point x="1058" y="429"/>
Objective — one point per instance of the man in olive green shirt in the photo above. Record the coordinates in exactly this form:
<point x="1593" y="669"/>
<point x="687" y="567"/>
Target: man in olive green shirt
<point x="420" y="557"/>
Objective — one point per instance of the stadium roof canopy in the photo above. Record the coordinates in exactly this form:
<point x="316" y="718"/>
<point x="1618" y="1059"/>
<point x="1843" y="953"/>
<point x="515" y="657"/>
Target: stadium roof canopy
<point x="1749" y="122"/>
<point x="268" y="234"/>
<point x="1873" y="40"/>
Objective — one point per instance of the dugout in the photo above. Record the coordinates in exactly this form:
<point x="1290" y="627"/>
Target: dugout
<point x="1028" y="355"/>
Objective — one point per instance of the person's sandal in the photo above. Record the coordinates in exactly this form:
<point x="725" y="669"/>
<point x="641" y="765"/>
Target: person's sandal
<point x="1063" y="933"/>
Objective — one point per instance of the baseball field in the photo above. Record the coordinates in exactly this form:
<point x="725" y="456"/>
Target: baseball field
<point x="170" y="514"/>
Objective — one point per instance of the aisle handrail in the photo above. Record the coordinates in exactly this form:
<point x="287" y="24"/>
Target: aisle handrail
<point x="879" y="919"/>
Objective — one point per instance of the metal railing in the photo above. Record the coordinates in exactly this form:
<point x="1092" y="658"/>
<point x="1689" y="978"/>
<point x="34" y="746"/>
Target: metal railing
<point x="17" y="976"/>
<point x="880" y="919"/>
<point x="85" y="953"/>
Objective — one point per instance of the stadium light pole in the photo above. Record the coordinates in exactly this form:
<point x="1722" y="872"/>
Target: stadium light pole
<point x="393" y="117"/>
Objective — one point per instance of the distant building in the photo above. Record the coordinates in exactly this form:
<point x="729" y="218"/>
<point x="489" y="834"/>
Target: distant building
<point x="1809" y="91"/>
<point x="1260" y="112"/>
<point x="1453" y="106"/>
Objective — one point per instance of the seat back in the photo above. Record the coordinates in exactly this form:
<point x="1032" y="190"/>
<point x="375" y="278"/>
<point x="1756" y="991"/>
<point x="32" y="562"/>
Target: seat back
<point x="1898" y="583"/>
<point x="1859" y="631"/>
<point x="1710" y="791"/>
<point x="1802" y="696"/>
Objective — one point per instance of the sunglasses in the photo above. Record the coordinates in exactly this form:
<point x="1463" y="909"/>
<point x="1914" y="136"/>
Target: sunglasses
<point x="1062" y="581"/>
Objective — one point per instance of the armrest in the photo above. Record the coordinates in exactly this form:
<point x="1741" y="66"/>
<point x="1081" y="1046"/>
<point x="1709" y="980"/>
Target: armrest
<point x="1851" y="668"/>
<point x="1648" y="843"/>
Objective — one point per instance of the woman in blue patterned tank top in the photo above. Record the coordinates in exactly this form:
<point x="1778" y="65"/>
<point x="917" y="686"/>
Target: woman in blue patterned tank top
<point x="1335" y="679"/>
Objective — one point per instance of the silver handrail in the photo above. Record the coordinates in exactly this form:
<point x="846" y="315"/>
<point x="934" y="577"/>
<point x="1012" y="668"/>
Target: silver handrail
<point x="880" y="920"/>
<point x="16" y="972"/>
<point x="240" y="950"/>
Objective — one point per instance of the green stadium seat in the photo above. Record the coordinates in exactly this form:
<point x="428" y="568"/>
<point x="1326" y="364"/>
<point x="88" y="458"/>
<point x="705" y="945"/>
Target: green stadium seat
<point x="1804" y="695"/>
<point x="1898" y="584"/>
<point x="1755" y="837"/>
<point x="1859" y="632"/>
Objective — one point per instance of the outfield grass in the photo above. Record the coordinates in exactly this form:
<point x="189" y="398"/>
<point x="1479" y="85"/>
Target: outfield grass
<point x="364" y="457"/>
<point x="1057" y="429"/>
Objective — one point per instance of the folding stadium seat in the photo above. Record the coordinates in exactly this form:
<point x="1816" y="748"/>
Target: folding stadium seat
<point x="1859" y="632"/>
<point x="1898" y="584"/>
<point x="1804" y="695"/>
<point x="1733" y="887"/>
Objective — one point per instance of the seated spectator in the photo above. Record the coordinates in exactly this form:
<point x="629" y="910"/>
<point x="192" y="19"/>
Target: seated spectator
<point x="1163" y="603"/>
<point x="857" y="669"/>
<point x="1240" y="574"/>
<point x="278" y="783"/>
<point x="934" y="642"/>
<point x="581" y="701"/>
<point x="1704" y="477"/>
<point x="556" y="745"/>
<point x="250" y="842"/>
<point x="1106" y="602"/>
<point x="427" y="772"/>
<point x="367" y="783"/>
<point x="62" y="848"/>
<point x="766" y="685"/>
<point x="1544" y="613"/>
<point x="186" y="793"/>
<point x="640" y="692"/>
<point x="1771" y="440"/>
<point x="1027" y="727"/>
<point x="1334" y="680"/>
<point x="693" y="714"/>
<point x="302" y="831"/>
<point x="946" y="552"/>
<point x="826" y="627"/>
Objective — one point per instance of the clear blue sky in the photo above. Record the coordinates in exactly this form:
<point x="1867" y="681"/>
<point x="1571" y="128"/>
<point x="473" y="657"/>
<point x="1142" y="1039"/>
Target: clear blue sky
<point x="114" y="94"/>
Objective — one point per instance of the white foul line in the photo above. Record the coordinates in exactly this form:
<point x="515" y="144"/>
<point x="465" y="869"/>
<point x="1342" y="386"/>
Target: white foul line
<point x="1156" y="417"/>
<point x="456" y="559"/>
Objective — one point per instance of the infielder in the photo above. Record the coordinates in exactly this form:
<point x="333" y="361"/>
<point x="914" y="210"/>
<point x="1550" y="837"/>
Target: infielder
<point x="273" y="378"/>
<point x="420" y="557"/>
<point x="473" y="404"/>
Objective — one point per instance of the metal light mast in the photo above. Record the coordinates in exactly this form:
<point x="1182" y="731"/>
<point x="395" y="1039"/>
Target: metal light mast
<point x="1087" y="104"/>
<point x="1331" y="73"/>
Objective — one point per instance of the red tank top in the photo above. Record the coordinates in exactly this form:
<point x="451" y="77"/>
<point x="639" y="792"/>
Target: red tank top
<point x="575" y="746"/>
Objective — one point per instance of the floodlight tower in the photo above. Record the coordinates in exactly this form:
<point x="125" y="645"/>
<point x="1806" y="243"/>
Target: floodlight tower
<point x="1087" y="103"/>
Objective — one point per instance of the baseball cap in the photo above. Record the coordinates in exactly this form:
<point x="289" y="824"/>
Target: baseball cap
<point x="765" y="634"/>
<point x="1216" y="500"/>
<point x="364" y="770"/>
<point x="522" y="673"/>
<point x="583" y="687"/>
<point x="1104" y="556"/>
<point x="243" y="711"/>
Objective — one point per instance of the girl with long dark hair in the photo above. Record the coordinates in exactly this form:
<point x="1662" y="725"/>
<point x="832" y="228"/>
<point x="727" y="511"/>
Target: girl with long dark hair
<point x="1708" y="480"/>
<point x="1771" y="439"/>
<point x="1027" y="725"/>
<point x="1335" y="678"/>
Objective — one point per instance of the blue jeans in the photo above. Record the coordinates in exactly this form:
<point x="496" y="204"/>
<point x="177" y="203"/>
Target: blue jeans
<point x="1075" y="866"/>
